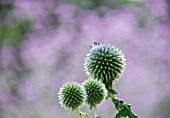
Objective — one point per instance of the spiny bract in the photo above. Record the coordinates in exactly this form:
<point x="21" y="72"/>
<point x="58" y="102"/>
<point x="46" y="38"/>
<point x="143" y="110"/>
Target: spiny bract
<point x="95" y="91"/>
<point x="105" y="63"/>
<point x="71" y="95"/>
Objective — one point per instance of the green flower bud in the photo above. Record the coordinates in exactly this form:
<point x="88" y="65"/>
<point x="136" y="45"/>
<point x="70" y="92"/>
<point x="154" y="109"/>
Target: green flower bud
<point x="71" y="95"/>
<point x="95" y="91"/>
<point x="105" y="63"/>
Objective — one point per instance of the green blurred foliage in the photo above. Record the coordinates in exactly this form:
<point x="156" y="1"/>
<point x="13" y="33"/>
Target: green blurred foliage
<point x="13" y="34"/>
<point x="13" y="30"/>
<point x="5" y="7"/>
<point x="93" y="4"/>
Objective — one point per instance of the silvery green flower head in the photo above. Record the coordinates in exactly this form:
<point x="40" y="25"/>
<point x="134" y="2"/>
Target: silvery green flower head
<point x="104" y="63"/>
<point x="71" y="95"/>
<point x="96" y="92"/>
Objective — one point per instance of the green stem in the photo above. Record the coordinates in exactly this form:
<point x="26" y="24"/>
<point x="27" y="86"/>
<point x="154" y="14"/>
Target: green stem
<point x="88" y="114"/>
<point x="79" y="113"/>
<point x="95" y="111"/>
<point x="111" y="95"/>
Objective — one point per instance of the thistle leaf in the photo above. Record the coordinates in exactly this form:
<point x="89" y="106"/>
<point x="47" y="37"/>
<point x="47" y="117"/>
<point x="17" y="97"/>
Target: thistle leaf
<point x="123" y="109"/>
<point x="111" y="91"/>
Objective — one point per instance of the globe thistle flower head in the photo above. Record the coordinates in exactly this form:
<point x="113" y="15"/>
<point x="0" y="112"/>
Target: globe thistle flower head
<point x="71" y="95"/>
<point x="95" y="91"/>
<point x="105" y="63"/>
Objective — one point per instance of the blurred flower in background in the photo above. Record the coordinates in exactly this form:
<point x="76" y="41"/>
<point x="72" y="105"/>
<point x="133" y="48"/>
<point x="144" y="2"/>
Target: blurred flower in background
<point x="43" y="44"/>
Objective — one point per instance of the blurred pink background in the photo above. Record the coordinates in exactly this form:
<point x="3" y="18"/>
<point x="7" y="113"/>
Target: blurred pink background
<point x="43" y="44"/>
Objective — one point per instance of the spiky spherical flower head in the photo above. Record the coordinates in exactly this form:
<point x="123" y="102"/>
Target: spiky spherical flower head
<point x="95" y="91"/>
<point x="71" y="95"/>
<point x="105" y="63"/>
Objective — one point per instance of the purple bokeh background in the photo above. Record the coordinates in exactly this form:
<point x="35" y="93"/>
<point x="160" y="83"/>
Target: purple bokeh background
<point x="53" y="53"/>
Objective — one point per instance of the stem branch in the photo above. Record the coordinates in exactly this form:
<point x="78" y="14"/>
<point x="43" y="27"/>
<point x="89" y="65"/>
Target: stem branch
<point x="95" y="111"/>
<point x="79" y="113"/>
